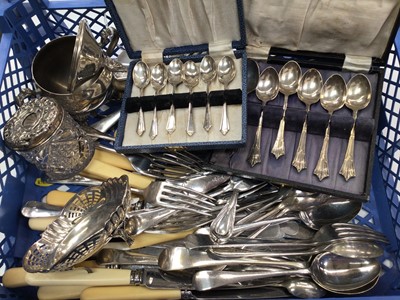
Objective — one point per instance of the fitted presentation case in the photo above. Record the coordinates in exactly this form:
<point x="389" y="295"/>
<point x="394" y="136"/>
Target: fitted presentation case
<point x="335" y="37"/>
<point x="159" y="31"/>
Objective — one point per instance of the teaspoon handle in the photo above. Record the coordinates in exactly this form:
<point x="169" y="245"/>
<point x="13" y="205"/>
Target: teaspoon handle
<point x="154" y="125"/>
<point x="348" y="170"/>
<point x="207" y="118"/>
<point x="171" y="120"/>
<point x="141" y="128"/>
<point x="224" y="127"/>
<point x="322" y="168"/>
<point x="190" y="122"/>
<point x="279" y="146"/>
<point x="299" y="160"/>
<point x="255" y="152"/>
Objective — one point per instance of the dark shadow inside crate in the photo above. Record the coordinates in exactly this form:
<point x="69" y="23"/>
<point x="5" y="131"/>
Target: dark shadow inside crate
<point x="163" y="102"/>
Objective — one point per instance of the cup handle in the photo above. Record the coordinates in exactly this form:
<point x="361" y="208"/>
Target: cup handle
<point x="109" y="36"/>
<point x="25" y="93"/>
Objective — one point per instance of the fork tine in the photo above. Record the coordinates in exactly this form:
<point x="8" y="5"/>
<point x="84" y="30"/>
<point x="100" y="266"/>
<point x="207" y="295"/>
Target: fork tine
<point x="174" y="161"/>
<point x="188" y="201"/>
<point x="184" y="208"/>
<point x="170" y="166"/>
<point x="179" y="189"/>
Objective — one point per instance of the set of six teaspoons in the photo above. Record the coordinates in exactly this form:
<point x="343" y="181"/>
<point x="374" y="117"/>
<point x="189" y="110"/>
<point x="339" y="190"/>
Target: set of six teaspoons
<point x="188" y="73"/>
<point x="333" y="95"/>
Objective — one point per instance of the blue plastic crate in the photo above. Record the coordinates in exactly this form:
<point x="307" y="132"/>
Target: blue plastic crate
<point x="28" y="25"/>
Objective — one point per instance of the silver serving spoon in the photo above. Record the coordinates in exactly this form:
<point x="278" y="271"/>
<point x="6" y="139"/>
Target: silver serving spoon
<point x="328" y="270"/>
<point x="308" y="91"/>
<point x="358" y="97"/>
<point x="175" y="76"/>
<point x="253" y="74"/>
<point x="267" y="89"/>
<point x="226" y="72"/>
<point x="333" y="96"/>
<point x="208" y="71"/>
<point x="141" y="78"/>
<point x="158" y="80"/>
<point x="344" y="248"/>
<point x="191" y="78"/>
<point x="289" y="77"/>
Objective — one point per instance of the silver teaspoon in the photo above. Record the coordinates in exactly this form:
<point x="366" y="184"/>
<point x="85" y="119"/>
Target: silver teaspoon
<point x="289" y="77"/>
<point x="174" y="78"/>
<point x="333" y="95"/>
<point x="208" y="71"/>
<point x="308" y="91"/>
<point x="191" y="78"/>
<point x="141" y="78"/>
<point x="267" y="89"/>
<point x="226" y="73"/>
<point x="358" y="97"/>
<point x="158" y="81"/>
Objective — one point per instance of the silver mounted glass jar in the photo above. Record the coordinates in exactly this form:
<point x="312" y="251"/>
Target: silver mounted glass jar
<point x="48" y="137"/>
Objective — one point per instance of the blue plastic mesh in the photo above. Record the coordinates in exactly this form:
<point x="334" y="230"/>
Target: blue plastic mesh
<point x="388" y="141"/>
<point x="33" y="25"/>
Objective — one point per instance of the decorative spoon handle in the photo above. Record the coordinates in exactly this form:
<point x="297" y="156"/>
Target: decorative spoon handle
<point x="255" y="152"/>
<point x="154" y="124"/>
<point x="141" y="127"/>
<point x="224" y="127"/>
<point x="171" y="120"/>
<point x="207" y="118"/>
<point x="221" y="228"/>
<point x="348" y="170"/>
<point x="322" y="168"/>
<point x="299" y="160"/>
<point x="190" y="122"/>
<point x="279" y="146"/>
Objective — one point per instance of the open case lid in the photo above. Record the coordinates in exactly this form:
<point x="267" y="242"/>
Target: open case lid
<point x="361" y="31"/>
<point x="171" y="27"/>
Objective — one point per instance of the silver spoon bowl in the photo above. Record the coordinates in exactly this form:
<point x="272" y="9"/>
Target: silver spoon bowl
<point x="253" y="74"/>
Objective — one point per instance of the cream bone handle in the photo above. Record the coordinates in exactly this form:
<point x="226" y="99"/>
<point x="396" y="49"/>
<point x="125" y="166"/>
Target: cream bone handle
<point x="18" y="277"/>
<point x="60" y="292"/>
<point x="129" y="293"/>
<point x="106" y="293"/>
<point x="113" y="158"/>
<point x="98" y="169"/>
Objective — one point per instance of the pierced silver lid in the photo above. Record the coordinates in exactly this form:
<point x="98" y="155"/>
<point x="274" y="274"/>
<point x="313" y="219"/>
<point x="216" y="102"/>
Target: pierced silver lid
<point x="33" y="124"/>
